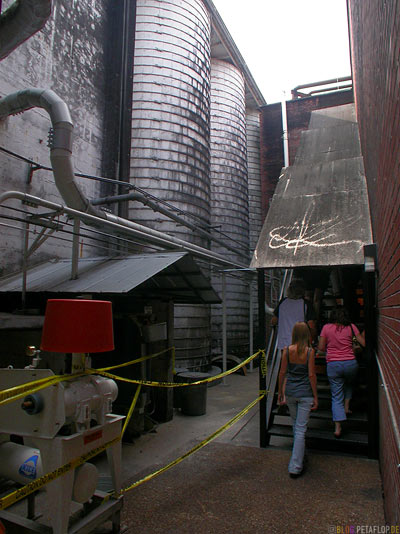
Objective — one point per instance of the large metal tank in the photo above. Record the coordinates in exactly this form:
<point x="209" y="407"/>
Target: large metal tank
<point x="170" y="155"/>
<point x="229" y="199"/>
<point x="254" y="182"/>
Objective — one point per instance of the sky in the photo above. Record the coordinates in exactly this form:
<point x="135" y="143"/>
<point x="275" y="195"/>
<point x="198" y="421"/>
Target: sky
<point x="286" y="43"/>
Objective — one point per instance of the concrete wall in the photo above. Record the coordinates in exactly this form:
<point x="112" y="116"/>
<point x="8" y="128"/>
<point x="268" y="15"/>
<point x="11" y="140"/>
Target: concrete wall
<point x="69" y="55"/>
<point x="375" y="46"/>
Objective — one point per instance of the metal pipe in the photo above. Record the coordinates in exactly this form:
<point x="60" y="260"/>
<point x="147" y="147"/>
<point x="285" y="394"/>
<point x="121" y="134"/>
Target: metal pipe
<point x="20" y="21"/>
<point x="285" y="135"/>
<point x="323" y="82"/>
<point x="61" y="159"/>
<point x="251" y="326"/>
<point x="224" y="339"/>
<point x="140" y="197"/>
<point x="75" y="249"/>
<point x="141" y="233"/>
<point x="392" y="412"/>
<point x="25" y="264"/>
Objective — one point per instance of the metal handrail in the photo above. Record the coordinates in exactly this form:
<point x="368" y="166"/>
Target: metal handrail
<point x="273" y="353"/>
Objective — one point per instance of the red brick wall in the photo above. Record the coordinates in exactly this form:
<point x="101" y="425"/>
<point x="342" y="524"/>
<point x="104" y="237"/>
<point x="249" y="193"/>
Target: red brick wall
<point x="298" y="117"/>
<point x="375" y="45"/>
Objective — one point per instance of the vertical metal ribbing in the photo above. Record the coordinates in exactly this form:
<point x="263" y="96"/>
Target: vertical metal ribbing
<point x="254" y="175"/>
<point x="229" y="196"/>
<point x="254" y="184"/>
<point x="170" y="153"/>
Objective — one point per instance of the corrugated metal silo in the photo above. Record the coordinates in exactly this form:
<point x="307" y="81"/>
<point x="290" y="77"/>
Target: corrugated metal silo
<point x="254" y="175"/>
<point x="229" y="197"/>
<point x="254" y="178"/>
<point x="170" y="155"/>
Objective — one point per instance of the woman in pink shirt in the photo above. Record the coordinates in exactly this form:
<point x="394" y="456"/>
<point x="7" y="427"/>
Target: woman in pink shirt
<point x="341" y="364"/>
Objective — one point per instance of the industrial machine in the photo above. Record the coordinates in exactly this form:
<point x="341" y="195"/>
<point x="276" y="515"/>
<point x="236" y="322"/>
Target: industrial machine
<point x="57" y="426"/>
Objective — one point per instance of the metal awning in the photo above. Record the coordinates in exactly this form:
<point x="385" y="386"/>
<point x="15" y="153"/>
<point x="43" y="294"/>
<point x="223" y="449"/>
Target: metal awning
<point x="161" y="275"/>
<point x="319" y="215"/>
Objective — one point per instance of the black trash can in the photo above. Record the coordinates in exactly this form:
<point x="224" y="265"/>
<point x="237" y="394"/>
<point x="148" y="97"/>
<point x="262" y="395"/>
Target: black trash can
<point x="177" y="391"/>
<point x="193" y="399"/>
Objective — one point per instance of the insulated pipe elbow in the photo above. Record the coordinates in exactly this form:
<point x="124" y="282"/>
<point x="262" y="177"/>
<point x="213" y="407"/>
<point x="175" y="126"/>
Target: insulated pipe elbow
<point x="20" y="21"/>
<point x="60" y="141"/>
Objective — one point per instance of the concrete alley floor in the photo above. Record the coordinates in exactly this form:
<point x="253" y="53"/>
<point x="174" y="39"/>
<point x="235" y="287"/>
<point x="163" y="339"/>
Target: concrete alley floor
<point x="233" y="486"/>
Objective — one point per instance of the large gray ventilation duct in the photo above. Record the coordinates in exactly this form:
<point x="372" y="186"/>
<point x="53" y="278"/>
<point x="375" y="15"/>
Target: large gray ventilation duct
<point x="61" y="159"/>
<point x="20" y="21"/>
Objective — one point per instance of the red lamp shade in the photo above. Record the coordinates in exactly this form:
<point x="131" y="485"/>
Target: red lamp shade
<point x="73" y="325"/>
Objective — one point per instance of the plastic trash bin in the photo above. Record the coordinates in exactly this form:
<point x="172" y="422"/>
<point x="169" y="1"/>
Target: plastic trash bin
<point x="177" y="391"/>
<point x="193" y="399"/>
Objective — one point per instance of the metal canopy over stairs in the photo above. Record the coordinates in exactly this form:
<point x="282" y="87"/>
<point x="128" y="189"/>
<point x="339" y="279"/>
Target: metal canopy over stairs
<point x="319" y="213"/>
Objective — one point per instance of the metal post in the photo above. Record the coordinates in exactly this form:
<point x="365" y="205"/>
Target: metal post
<point x="251" y="319"/>
<point x="75" y="249"/>
<point x="285" y="133"/>
<point x="261" y="368"/>
<point x="372" y="366"/>
<point x="224" y="344"/>
<point x="25" y="265"/>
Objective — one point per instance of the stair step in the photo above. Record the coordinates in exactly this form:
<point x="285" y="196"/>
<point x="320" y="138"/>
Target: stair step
<point x="354" y="442"/>
<point x="325" y="423"/>
<point x="360" y="417"/>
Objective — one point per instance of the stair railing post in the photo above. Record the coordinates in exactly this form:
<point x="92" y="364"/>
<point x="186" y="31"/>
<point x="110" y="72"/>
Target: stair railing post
<point x="262" y="366"/>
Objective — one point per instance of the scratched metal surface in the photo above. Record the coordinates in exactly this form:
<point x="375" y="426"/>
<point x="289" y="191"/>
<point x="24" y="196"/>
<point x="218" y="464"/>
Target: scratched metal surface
<point x="319" y="215"/>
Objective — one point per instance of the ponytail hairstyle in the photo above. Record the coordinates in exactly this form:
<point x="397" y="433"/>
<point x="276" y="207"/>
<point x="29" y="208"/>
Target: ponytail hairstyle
<point x="301" y="336"/>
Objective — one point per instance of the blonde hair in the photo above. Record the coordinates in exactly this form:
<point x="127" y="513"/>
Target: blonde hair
<point x="301" y="336"/>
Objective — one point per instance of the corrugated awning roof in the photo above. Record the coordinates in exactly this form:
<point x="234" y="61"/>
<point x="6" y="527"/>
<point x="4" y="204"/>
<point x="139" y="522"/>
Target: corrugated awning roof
<point x="319" y="215"/>
<point x="165" y="275"/>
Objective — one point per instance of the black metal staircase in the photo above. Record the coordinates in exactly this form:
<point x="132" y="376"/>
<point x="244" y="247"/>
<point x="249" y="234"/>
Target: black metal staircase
<point x="354" y="439"/>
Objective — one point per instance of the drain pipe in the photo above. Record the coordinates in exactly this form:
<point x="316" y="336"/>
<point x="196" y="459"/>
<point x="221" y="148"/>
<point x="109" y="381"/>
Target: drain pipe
<point x="20" y="21"/>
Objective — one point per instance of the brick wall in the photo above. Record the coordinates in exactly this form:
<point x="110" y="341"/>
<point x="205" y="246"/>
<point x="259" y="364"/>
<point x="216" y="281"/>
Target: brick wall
<point x="70" y="55"/>
<point x="375" y="45"/>
<point x="298" y="117"/>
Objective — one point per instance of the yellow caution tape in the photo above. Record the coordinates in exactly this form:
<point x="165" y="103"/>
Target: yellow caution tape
<point x="35" y="485"/>
<point x="173" y="384"/>
<point x="17" y="392"/>
<point x="194" y="449"/>
<point x="263" y="364"/>
<point x="142" y="359"/>
<point x="130" y="412"/>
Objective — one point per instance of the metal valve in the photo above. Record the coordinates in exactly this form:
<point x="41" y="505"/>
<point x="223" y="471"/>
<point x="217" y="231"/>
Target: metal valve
<point x="34" y="353"/>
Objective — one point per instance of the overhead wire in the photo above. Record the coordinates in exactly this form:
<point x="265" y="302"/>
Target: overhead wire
<point x="122" y="183"/>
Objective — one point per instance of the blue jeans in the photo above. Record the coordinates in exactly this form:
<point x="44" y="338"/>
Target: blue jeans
<point x="299" y="409"/>
<point x="341" y="375"/>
